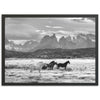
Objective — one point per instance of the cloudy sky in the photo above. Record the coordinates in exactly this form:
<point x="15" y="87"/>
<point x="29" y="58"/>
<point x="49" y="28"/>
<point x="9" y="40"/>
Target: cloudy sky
<point x="36" y="28"/>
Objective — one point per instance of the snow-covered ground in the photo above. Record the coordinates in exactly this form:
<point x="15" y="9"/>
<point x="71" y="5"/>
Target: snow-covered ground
<point x="22" y="71"/>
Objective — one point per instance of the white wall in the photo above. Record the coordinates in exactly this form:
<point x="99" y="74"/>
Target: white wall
<point x="49" y="7"/>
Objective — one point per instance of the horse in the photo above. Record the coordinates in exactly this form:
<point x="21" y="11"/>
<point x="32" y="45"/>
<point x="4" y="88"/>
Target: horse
<point x="51" y="65"/>
<point x="44" y="67"/>
<point x="63" y="64"/>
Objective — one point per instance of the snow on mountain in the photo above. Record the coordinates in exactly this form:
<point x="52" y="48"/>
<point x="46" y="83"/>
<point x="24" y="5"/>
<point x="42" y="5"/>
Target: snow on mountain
<point x="48" y="42"/>
<point x="77" y="41"/>
<point x="20" y="45"/>
<point x="8" y="47"/>
<point x="72" y="41"/>
<point x="18" y="42"/>
<point x="67" y="43"/>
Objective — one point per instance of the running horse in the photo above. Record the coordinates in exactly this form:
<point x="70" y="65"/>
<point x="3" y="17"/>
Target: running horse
<point x="64" y="65"/>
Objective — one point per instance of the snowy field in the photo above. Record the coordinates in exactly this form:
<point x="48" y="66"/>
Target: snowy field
<point x="26" y="71"/>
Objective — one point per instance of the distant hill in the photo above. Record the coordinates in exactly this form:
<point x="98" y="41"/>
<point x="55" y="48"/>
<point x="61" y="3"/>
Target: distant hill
<point x="53" y="53"/>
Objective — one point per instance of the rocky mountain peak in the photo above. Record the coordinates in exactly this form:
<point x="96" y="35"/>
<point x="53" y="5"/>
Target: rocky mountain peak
<point x="68" y="38"/>
<point x="50" y="42"/>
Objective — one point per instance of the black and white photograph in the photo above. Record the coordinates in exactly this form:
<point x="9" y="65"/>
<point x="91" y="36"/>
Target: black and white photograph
<point x="50" y="49"/>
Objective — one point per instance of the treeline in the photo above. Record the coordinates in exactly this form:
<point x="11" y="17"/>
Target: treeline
<point x="52" y="53"/>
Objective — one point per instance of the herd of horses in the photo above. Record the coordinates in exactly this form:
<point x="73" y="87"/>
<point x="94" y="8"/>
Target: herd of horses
<point x="50" y="66"/>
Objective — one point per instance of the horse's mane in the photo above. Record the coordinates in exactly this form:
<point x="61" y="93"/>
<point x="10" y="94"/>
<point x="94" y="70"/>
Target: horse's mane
<point x="66" y="62"/>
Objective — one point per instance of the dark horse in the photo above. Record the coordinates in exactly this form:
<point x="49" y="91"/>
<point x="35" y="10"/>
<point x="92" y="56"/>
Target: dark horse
<point x="49" y="66"/>
<point x="45" y="67"/>
<point x="63" y="64"/>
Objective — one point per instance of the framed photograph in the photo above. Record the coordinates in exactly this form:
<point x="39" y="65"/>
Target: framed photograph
<point x="50" y="50"/>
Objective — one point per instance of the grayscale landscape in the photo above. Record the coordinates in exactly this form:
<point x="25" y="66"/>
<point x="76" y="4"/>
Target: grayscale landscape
<point x="50" y="50"/>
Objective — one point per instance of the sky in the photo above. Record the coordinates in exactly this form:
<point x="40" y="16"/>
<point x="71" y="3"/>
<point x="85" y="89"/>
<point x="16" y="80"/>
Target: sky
<point x="36" y="28"/>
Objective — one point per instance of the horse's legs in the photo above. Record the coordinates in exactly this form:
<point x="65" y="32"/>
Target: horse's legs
<point x="52" y="67"/>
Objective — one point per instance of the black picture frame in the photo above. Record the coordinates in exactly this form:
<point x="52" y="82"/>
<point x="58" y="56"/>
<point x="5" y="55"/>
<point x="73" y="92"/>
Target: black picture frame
<point x="49" y="15"/>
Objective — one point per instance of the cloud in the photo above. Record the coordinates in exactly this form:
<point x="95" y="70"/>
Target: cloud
<point x="21" y="31"/>
<point x="86" y="20"/>
<point x="83" y="20"/>
<point x="58" y="27"/>
<point x="36" y="28"/>
<point x="48" y="26"/>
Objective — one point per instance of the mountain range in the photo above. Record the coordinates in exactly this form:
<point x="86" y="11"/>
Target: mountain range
<point x="50" y="42"/>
